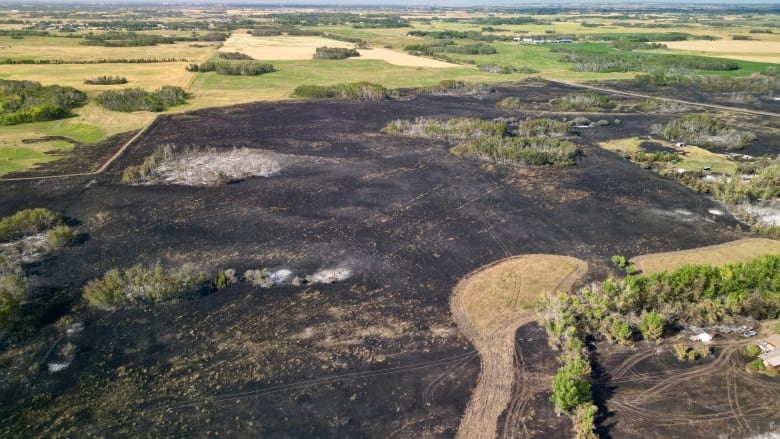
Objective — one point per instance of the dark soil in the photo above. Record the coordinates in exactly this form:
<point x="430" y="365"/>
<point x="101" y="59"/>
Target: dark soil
<point x="376" y="355"/>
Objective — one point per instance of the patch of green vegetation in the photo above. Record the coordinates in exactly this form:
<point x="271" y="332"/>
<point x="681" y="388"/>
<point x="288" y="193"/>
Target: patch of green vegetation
<point x="706" y="131"/>
<point x="139" y="284"/>
<point x="486" y="140"/>
<point x="28" y="101"/>
<point x="233" y="68"/>
<point x="106" y="80"/>
<point x="335" y="53"/>
<point x="359" y="91"/>
<point x="585" y="102"/>
<point x="137" y="99"/>
<point x="27" y="222"/>
<point x="80" y="132"/>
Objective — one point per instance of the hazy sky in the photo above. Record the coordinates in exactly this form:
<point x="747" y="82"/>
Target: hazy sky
<point x="505" y="3"/>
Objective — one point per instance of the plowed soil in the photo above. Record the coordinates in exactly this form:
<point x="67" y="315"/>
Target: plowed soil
<point x="374" y="355"/>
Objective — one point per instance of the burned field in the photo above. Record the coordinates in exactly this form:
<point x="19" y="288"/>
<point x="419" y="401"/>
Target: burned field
<point x="375" y="353"/>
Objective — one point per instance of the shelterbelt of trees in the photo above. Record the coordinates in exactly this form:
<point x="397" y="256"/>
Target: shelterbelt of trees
<point x="28" y="101"/>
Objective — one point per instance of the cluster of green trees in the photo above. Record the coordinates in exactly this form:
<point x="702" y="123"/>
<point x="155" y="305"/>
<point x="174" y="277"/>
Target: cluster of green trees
<point x="764" y="185"/>
<point x="356" y="91"/>
<point x="141" y="173"/>
<point x="571" y="388"/>
<point x="589" y="60"/>
<point x="543" y="127"/>
<point x="704" y="130"/>
<point x="585" y="102"/>
<point x="491" y="140"/>
<point x="757" y="84"/>
<point x="28" y="101"/>
<point x="233" y="68"/>
<point x="699" y="294"/>
<point x="138" y="99"/>
<point x="106" y="80"/>
<point x="139" y="284"/>
<point x="335" y="53"/>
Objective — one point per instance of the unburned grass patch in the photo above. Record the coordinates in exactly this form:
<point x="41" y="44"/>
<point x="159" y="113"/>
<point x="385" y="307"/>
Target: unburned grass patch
<point x="742" y="250"/>
<point x="513" y="286"/>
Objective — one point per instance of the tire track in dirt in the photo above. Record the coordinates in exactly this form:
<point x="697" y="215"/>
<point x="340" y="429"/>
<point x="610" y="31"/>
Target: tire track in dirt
<point x="496" y="347"/>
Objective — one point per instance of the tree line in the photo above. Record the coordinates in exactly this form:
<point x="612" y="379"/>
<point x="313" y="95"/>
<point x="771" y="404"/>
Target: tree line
<point x="138" y="99"/>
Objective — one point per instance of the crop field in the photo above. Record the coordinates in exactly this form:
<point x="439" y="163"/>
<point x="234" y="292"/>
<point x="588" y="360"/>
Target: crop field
<point x="758" y="51"/>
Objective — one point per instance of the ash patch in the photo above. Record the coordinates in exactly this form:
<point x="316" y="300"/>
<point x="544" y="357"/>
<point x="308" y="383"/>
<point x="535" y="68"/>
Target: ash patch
<point x="196" y="167"/>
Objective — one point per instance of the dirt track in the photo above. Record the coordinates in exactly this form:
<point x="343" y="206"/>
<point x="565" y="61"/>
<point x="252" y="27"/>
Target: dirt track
<point x="497" y="351"/>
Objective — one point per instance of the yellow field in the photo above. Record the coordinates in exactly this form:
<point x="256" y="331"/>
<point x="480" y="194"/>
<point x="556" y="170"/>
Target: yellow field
<point x="760" y="51"/>
<point x="730" y="252"/>
<point x="285" y="48"/>
<point x="499" y="292"/>
<point x="693" y="157"/>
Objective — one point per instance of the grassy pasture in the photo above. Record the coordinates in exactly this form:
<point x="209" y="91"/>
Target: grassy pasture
<point x="500" y="291"/>
<point x="736" y="251"/>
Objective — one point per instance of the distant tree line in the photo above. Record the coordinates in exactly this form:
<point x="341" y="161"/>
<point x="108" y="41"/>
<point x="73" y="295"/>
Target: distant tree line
<point x="459" y="35"/>
<point x="132" y="39"/>
<point x="495" y="68"/>
<point x="368" y="21"/>
<point x="28" y="101"/>
<point x="138" y="99"/>
<point x="234" y="56"/>
<point x="96" y="61"/>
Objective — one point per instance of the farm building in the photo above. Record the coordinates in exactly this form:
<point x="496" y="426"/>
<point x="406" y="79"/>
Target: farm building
<point x="770" y="352"/>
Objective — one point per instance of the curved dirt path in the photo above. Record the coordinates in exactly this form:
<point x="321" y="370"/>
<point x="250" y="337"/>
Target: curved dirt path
<point x="496" y="346"/>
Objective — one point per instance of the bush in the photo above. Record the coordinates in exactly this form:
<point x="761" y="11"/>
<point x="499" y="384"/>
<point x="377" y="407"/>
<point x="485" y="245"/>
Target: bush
<point x="141" y="284"/>
<point x="705" y="130"/>
<point x="585" y="102"/>
<point x="60" y="236"/>
<point x="510" y="103"/>
<point x="137" y="99"/>
<point x="12" y="289"/>
<point x="27" y="222"/>
<point x="652" y="326"/>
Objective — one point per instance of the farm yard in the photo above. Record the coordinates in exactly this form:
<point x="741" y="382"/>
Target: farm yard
<point x="446" y="225"/>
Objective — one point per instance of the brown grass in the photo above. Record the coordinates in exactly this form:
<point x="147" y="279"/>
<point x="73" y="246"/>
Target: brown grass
<point x="736" y="251"/>
<point x="511" y="287"/>
<point x="760" y="51"/>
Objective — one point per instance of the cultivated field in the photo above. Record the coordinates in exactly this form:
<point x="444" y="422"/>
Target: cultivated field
<point x="737" y="251"/>
<point x="758" y="51"/>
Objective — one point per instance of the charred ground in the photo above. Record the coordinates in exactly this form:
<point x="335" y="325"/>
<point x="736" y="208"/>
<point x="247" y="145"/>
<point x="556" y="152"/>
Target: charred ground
<point x="375" y="355"/>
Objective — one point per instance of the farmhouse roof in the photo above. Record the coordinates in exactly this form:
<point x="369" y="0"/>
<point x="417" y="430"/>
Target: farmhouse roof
<point x="771" y="358"/>
<point x="774" y="341"/>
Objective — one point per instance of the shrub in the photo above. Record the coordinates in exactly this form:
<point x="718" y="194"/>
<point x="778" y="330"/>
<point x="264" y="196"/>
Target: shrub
<point x="705" y="130"/>
<point x="652" y="326"/>
<point x="140" y="284"/>
<point x="585" y="102"/>
<point x="233" y="68"/>
<point x="12" y="289"/>
<point x="60" y="236"/>
<point x="27" y="222"/>
<point x="510" y="103"/>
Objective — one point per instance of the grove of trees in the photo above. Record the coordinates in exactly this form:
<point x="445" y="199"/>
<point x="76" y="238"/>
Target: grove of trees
<point x="28" y="101"/>
<point x="138" y="99"/>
